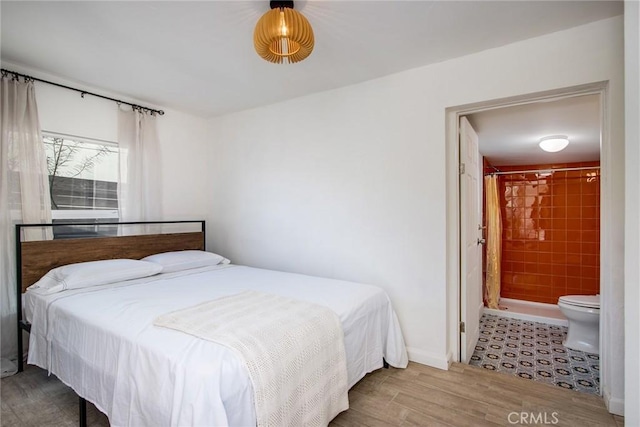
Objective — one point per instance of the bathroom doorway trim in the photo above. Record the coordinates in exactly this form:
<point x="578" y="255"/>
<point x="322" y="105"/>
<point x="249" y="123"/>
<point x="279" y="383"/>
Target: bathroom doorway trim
<point x="454" y="215"/>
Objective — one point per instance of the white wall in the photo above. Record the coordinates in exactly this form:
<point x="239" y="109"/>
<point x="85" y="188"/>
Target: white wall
<point x="183" y="139"/>
<point x="350" y="183"/>
<point x="632" y="212"/>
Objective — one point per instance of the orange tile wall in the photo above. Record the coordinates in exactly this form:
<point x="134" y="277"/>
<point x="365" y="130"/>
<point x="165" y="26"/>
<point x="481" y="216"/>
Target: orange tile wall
<point x="551" y="233"/>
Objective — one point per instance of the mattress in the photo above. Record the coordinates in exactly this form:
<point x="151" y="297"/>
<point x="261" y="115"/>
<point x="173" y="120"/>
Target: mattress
<point x="101" y="341"/>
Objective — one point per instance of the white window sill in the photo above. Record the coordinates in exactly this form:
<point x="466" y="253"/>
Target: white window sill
<point x="85" y="214"/>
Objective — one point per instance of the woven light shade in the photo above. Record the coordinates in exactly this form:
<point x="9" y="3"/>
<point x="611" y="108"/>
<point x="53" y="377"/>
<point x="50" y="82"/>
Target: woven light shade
<point x="283" y="35"/>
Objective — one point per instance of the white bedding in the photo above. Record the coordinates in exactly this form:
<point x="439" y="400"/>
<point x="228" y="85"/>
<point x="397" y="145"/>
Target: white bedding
<point x="293" y="351"/>
<point x="102" y="342"/>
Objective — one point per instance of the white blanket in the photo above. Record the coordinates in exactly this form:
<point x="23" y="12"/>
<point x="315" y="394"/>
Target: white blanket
<point x="293" y="350"/>
<point x="101" y="341"/>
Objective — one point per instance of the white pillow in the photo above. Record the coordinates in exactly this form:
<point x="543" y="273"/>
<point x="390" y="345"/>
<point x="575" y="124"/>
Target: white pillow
<point x="93" y="273"/>
<point x="185" y="260"/>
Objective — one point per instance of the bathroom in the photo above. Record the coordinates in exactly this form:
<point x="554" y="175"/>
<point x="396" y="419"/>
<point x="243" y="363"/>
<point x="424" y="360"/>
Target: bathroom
<point x="550" y="239"/>
<point x="541" y="252"/>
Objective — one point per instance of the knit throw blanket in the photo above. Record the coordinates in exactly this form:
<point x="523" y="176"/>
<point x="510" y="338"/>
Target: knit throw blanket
<point x="293" y="350"/>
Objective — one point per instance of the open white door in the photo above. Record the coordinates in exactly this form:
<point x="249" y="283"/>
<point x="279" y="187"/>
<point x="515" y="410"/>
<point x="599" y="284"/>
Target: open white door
<point x="470" y="241"/>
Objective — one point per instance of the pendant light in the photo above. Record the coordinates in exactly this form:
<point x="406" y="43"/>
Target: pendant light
<point x="283" y="35"/>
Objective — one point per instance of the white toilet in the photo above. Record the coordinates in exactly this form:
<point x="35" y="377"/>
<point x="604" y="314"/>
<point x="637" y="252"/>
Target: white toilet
<point x="583" y="313"/>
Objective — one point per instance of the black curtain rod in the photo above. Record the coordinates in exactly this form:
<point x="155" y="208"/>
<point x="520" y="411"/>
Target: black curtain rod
<point x="83" y="92"/>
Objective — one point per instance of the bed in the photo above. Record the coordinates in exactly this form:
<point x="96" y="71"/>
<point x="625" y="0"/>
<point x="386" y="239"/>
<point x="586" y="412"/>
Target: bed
<point x="103" y="343"/>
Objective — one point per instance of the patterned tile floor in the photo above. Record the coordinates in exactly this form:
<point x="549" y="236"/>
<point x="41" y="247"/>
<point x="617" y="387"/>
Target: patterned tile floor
<point x="534" y="351"/>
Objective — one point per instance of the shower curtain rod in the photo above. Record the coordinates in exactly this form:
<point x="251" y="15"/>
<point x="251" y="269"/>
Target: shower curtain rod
<point x="82" y="92"/>
<point x="543" y="170"/>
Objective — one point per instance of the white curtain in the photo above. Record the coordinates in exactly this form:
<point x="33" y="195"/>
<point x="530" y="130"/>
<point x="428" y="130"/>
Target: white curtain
<point x="139" y="194"/>
<point x="24" y="196"/>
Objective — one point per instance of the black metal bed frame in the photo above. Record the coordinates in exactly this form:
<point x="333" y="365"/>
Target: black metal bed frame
<point x="23" y="325"/>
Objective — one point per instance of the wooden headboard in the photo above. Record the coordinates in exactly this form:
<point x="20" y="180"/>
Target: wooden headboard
<point x="36" y="258"/>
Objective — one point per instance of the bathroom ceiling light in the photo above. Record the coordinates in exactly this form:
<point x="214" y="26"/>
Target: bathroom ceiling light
<point x="553" y="144"/>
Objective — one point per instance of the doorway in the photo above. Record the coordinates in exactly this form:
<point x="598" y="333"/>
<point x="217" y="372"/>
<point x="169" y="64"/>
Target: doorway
<point x="463" y="335"/>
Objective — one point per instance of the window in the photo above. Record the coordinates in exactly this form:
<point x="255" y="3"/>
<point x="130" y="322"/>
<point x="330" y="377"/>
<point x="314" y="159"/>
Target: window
<point x="83" y="180"/>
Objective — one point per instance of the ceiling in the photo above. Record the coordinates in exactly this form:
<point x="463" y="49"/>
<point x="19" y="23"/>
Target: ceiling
<point x="510" y="136"/>
<point x="198" y="56"/>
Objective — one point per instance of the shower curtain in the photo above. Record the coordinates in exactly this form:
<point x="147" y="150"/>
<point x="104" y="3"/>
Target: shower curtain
<point x="494" y="241"/>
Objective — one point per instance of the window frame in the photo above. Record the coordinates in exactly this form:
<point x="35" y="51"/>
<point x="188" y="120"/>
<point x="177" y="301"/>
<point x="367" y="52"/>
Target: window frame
<point x="83" y="214"/>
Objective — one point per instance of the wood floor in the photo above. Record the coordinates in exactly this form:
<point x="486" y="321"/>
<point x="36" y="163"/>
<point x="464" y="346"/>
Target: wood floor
<point x="416" y="396"/>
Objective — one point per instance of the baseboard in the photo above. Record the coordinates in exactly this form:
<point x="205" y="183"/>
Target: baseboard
<point x="615" y="405"/>
<point x="439" y="361"/>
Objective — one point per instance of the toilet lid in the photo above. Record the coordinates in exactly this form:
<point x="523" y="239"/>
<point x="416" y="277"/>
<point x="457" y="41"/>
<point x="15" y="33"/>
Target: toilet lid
<point x="590" y="301"/>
